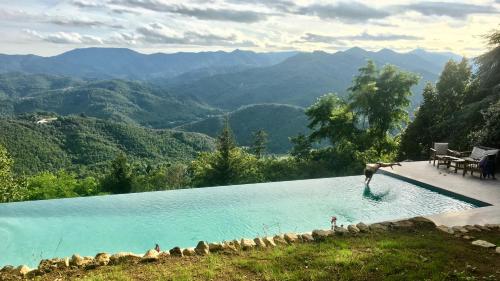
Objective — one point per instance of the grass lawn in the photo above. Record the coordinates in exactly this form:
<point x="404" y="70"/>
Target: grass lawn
<point x="423" y="254"/>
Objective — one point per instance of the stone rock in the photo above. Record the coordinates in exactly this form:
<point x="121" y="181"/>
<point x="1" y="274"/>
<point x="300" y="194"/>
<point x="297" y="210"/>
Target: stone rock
<point x="291" y="238"/>
<point x="353" y="229"/>
<point x="7" y="268"/>
<point x="229" y="247"/>
<point x="483" y="243"/>
<point x="493" y="226"/>
<point x="445" y="229"/>
<point x="259" y="242"/>
<point x="340" y="231"/>
<point x="176" y="252"/>
<point x="459" y="229"/>
<point x="269" y="241"/>
<point x="79" y="261"/>
<point x="163" y="254"/>
<point x="202" y="248"/>
<point x="102" y="259"/>
<point x="215" y="247"/>
<point x="47" y="265"/>
<point x="497" y="250"/>
<point x="236" y="244"/>
<point x="363" y="227"/>
<point x="320" y="234"/>
<point x="122" y="257"/>
<point x="471" y="228"/>
<point x="402" y="224"/>
<point x="482" y="227"/>
<point x="189" y="252"/>
<point x="467" y="237"/>
<point x="21" y="270"/>
<point x="150" y="256"/>
<point x="280" y="240"/>
<point x="422" y="222"/>
<point x="247" y="244"/>
<point x="306" y="237"/>
<point x="377" y="227"/>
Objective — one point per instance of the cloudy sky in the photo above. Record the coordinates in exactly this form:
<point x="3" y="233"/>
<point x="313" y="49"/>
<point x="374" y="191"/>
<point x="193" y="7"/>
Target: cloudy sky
<point x="49" y="27"/>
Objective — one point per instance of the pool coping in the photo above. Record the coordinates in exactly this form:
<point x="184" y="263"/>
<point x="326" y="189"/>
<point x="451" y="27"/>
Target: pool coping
<point x="440" y="190"/>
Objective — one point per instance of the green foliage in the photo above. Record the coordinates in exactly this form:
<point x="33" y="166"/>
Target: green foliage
<point x="119" y="180"/>
<point x="301" y="147"/>
<point x="462" y="109"/>
<point x="62" y="184"/>
<point x="360" y="130"/>
<point x="258" y="147"/>
<point x="165" y="177"/>
<point x="382" y="97"/>
<point x="10" y="189"/>
<point x="227" y="165"/>
<point x="241" y="167"/>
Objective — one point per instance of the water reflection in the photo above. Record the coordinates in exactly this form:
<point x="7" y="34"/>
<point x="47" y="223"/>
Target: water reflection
<point x="368" y="194"/>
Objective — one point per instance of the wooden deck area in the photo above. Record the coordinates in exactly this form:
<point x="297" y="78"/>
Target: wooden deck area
<point x="486" y="191"/>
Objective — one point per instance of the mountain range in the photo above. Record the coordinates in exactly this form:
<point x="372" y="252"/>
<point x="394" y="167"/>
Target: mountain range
<point x="194" y="91"/>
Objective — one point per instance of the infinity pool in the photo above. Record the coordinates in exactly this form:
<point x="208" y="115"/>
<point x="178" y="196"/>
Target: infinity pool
<point x="30" y="231"/>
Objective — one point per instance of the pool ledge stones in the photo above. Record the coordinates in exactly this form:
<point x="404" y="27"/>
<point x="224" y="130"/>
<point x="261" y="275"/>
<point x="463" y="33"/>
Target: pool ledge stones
<point x="259" y="243"/>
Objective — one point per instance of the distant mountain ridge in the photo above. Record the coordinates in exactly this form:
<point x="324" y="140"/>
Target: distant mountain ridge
<point x="300" y="79"/>
<point x="107" y="63"/>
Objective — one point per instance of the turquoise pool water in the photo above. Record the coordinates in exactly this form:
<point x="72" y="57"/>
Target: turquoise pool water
<point x="30" y="231"/>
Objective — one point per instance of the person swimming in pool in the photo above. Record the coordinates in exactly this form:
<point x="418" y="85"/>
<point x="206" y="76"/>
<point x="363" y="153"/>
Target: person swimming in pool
<point x="371" y="169"/>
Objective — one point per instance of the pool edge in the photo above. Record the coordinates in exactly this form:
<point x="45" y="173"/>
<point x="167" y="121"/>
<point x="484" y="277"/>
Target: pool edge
<point x="443" y="191"/>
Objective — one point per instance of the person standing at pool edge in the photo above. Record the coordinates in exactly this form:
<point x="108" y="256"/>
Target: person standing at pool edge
<point x="371" y="169"/>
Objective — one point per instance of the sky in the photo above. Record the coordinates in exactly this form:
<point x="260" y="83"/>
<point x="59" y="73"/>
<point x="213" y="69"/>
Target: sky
<point x="50" y="27"/>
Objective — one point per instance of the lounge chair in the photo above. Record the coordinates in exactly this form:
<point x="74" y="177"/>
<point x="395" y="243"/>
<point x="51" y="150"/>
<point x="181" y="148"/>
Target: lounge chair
<point x="475" y="156"/>
<point x="439" y="151"/>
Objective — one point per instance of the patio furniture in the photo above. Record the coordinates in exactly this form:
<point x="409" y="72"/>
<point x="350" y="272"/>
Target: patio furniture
<point x="437" y="152"/>
<point x="472" y="160"/>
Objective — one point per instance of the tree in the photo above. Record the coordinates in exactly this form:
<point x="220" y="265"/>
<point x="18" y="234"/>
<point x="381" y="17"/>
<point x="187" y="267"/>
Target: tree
<point x="302" y="146"/>
<point x="452" y="87"/>
<point x="331" y="118"/>
<point x="382" y="97"/>
<point x="259" y="143"/>
<point x="10" y="189"/>
<point x="119" y="180"/>
<point x="443" y="107"/>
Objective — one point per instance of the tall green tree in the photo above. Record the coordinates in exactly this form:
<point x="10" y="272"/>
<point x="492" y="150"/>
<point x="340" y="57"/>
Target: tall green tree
<point x="382" y="97"/>
<point x="444" y="115"/>
<point x="259" y="144"/>
<point x="10" y="189"/>
<point x="120" y="179"/>
<point x="302" y="146"/>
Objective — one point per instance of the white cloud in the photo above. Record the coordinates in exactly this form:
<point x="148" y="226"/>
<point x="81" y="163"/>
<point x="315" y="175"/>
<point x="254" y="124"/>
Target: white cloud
<point x="66" y="37"/>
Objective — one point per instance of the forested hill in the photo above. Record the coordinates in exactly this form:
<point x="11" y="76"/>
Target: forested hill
<point x="118" y="100"/>
<point x="107" y="63"/>
<point x="300" y="79"/>
<point x="279" y="121"/>
<point x="79" y="143"/>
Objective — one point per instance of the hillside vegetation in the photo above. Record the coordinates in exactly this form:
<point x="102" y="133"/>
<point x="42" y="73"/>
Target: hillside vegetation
<point x="280" y="122"/>
<point x="118" y="100"/>
<point x="76" y="143"/>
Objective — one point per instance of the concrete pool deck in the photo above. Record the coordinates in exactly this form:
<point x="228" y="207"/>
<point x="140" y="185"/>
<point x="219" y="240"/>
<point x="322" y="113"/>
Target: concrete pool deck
<point x="487" y="191"/>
